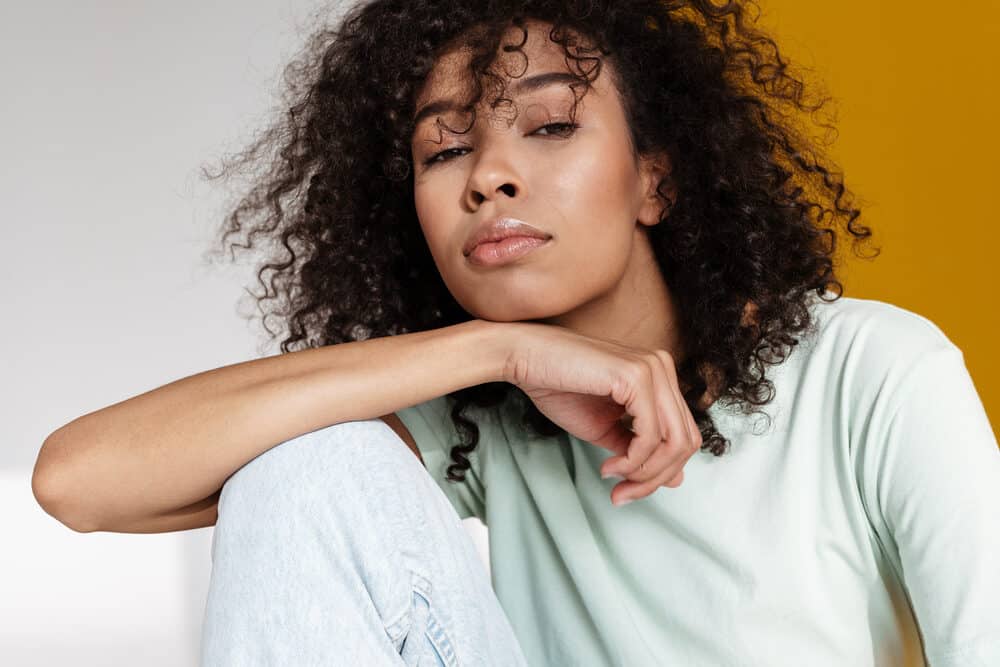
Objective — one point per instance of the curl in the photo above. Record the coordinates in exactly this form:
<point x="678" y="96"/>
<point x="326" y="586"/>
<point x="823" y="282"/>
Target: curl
<point x="753" y="209"/>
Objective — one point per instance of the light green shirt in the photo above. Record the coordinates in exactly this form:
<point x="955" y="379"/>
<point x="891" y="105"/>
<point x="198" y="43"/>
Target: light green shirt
<point x="860" y="527"/>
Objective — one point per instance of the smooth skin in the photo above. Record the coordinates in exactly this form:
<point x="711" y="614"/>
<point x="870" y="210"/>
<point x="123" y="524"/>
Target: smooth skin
<point x="607" y="355"/>
<point x="598" y="275"/>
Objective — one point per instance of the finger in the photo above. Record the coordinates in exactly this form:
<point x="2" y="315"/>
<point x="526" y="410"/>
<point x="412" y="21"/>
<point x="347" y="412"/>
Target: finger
<point x="695" y="430"/>
<point x="668" y="453"/>
<point x="617" y="442"/>
<point x="695" y="445"/>
<point x="673" y="450"/>
<point x="662" y="455"/>
<point x="682" y="421"/>
<point x="665" y="466"/>
<point x="642" y="404"/>
<point x="675" y="434"/>
<point x="629" y="490"/>
<point x="649" y="478"/>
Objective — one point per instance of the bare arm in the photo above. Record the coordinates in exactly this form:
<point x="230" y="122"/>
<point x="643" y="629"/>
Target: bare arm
<point x="205" y="513"/>
<point x="201" y="514"/>
<point x="159" y="459"/>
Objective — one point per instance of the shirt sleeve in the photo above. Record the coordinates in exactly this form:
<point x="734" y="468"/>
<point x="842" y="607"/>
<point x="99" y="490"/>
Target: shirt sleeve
<point x="934" y="487"/>
<point x="435" y="434"/>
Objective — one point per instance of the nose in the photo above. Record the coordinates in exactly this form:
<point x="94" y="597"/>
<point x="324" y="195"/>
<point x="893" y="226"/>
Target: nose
<point x="476" y="198"/>
<point x="492" y="177"/>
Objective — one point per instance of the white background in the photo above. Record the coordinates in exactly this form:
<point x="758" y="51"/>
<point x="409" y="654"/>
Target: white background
<point x="107" y="111"/>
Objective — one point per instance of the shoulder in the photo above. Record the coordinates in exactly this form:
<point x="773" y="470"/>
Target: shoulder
<point x="876" y="333"/>
<point x="869" y="353"/>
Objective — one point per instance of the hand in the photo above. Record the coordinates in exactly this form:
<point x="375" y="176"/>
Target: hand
<point x="587" y="385"/>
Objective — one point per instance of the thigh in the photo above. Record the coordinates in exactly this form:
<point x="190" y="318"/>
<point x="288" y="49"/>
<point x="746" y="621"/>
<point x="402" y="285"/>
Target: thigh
<point x="338" y="545"/>
<point x="453" y="609"/>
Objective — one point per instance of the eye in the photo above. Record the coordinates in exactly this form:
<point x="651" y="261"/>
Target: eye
<point x="564" y="130"/>
<point x="434" y="159"/>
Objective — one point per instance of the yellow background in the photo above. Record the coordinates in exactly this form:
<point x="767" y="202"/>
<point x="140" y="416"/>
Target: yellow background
<point x="916" y="93"/>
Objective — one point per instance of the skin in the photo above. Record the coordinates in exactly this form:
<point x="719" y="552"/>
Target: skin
<point x="598" y="274"/>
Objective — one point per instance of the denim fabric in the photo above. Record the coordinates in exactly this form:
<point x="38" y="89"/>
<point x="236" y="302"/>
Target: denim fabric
<point x="338" y="548"/>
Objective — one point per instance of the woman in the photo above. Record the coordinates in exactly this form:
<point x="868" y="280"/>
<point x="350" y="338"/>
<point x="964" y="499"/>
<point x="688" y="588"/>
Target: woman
<point x="664" y="307"/>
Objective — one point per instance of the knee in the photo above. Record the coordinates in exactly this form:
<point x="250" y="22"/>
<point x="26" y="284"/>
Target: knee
<point x="337" y="462"/>
<point x="332" y="486"/>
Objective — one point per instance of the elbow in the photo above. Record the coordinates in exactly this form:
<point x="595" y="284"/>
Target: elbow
<point x="55" y="505"/>
<point x="49" y="490"/>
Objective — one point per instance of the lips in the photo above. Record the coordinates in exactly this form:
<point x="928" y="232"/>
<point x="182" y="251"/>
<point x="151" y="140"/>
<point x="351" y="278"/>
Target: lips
<point x="497" y="229"/>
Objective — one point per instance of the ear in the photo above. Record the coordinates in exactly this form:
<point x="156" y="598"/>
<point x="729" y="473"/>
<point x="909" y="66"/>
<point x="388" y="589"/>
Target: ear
<point x="652" y="169"/>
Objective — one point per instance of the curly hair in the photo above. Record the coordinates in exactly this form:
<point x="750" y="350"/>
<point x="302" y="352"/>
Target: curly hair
<point x="754" y="224"/>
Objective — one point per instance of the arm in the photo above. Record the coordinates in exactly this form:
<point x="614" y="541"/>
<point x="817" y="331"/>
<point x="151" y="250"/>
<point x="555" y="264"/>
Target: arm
<point x="201" y="514"/>
<point x="933" y="484"/>
<point x="205" y="513"/>
<point x="159" y="459"/>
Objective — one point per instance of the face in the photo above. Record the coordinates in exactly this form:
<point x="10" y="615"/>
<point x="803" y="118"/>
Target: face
<point x="581" y="185"/>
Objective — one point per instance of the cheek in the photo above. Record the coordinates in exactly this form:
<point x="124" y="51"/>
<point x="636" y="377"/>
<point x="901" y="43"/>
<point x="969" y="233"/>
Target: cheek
<point x="427" y="205"/>
<point x="594" y="192"/>
<point x="423" y="202"/>
<point x="598" y="180"/>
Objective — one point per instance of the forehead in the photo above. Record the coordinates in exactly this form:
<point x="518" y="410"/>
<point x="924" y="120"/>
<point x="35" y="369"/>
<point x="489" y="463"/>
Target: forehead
<point x="538" y="62"/>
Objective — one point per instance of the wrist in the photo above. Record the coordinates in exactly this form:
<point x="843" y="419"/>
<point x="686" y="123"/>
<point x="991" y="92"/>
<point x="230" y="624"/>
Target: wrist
<point x="490" y="347"/>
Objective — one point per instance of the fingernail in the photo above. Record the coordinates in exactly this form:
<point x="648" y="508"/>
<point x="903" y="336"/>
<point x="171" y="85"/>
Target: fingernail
<point x="611" y="475"/>
<point x="619" y="503"/>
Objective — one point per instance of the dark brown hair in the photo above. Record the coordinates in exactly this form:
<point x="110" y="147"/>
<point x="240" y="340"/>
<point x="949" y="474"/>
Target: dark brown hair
<point x="757" y="214"/>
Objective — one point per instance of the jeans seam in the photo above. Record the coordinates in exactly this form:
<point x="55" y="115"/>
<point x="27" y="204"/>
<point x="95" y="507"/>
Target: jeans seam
<point x="398" y="628"/>
<point x="435" y="632"/>
<point x="440" y="640"/>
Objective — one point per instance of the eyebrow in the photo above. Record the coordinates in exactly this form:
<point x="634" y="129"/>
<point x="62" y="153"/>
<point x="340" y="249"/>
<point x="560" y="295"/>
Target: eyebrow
<point x="531" y="84"/>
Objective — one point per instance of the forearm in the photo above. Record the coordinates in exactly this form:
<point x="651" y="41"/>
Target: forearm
<point x="176" y="445"/>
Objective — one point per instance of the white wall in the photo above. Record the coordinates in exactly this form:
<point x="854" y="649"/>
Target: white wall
<point x="107" y="110"/>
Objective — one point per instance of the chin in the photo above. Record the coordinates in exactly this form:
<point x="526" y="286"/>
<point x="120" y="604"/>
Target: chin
<point x="509" y="312"/>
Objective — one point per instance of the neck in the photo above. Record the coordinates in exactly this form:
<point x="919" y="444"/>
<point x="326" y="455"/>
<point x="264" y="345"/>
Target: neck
<point x="638" y="311"/>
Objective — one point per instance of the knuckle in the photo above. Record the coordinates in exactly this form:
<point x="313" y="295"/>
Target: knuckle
<point x="666" y="357"/>
<point x="637" y="370"/>
<point x="665" y="428"/>
<point x="678" y="444"/>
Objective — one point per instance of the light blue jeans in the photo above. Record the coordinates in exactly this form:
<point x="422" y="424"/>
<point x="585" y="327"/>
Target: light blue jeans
<point x="338" y="548"/>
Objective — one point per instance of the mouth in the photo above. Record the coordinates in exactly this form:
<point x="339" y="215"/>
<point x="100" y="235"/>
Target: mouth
<point x="504" y="251"/>
<point x="500" y="228"/>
